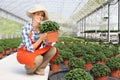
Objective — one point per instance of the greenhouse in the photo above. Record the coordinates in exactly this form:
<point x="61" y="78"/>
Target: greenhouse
<point x="85" y="44"/>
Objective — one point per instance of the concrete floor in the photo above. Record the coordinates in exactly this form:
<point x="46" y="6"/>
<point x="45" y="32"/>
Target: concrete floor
<point x="10" y="69"/>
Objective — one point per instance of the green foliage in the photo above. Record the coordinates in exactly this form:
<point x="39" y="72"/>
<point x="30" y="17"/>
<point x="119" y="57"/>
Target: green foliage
<point x="60" y="45"/>
<point x="99" y="70"/>
<point x="100" y="56"/>
<point x="6" y="47"/>
<point x="10" y="43"/>
<point x="67" y="54"/>
<point x="48" y="25"/>
<point x="78" y="74"/>
<point x="1" y="49"/>
<point x="79" y="53"/>
<point x="89" y="58"/>
<point x="89" y="50"/>
<point x="118" y="58"/>
<point x="116" y="49"/>
<point x="108" y="53"/>
<point x="95" y="46"/>
<point x="76" y="63"/>
<point x="73" y="46"/>
<point x="113" y="64"/>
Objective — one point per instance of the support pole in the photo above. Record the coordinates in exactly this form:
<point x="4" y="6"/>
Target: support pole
<point x="108" y="36"/>
<point x="119" y="20"/>
<point x="85" y="27"/>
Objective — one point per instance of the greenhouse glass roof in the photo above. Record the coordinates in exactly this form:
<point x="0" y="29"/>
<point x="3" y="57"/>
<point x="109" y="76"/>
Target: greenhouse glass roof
<point x="59" y="10"/>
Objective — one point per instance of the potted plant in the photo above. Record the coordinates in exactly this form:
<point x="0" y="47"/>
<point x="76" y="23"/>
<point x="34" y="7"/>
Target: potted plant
<point x="78" y="74"/>
<point x="56" y="64"/>
<point x="60" y="45"/>
<point x="51" y="28"/>
<point x="108" y="53"/>
<point x="66" y="54"/>
<point x="100" y="57"/>
<point x="90" y="50"/>
<point x="97" y="47"/>
<point x="1" y="52"/>
<point x="80" y="53"/>
<point x="76" y="63"/>
<point x="114" y="65"/>
<point x="6" y="48"/>
<point x="15" y="44"/>
<point x="89" y="59"/>
<point x="116" y="50"/>
<point x="100" y="71"/>
<point x="73" y="46"/>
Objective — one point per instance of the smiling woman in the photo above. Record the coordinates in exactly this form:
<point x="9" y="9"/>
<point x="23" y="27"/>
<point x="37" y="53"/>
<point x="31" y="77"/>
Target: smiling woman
<point x="34" y="52"/>
<point x="87" y="19"/>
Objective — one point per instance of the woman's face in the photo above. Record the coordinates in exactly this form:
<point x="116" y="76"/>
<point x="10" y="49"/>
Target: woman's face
<point x="38" y="16"/>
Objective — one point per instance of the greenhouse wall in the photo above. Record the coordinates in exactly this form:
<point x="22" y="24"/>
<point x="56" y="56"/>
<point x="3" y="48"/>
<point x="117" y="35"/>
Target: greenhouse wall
<point x="12" y="22"/>
<point x="99" y="20"/>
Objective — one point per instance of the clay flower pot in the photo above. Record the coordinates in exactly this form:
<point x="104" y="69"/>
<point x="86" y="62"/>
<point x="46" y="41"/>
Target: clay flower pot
<point x="115" y="73"/>
<point x="88" y="66"/>
<point x="51" y="28"/>
<point x="52" y="36"/>
<point x="54" y="67"/>
<point x="1" y="55"/>
<point x="7" y="52"/>
<point x="66" y="62"/>
<point x="101" y="78"/>
<point x="14" y="49"/>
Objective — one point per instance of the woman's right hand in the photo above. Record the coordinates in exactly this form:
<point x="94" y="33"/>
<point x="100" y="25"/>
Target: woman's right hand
<point x="43" y="36"/>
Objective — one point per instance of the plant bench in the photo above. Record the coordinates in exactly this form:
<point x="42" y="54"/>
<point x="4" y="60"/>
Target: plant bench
<point x="10" y="69"/>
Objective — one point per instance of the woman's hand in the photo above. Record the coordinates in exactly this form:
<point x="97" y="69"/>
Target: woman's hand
<point x="43" y="36"/>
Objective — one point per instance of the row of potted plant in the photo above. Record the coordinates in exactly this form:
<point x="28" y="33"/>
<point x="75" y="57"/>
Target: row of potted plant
<point x="87" y="52"/>
<point x="114" y="65"/>
<point x="78" y="74"/>
<point x="99" y="72"/>
<point x="8" y="45"/>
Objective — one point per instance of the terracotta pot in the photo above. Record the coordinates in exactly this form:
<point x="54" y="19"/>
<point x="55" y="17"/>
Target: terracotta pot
<point x="66" y="62"/>
<point x="7" y="52"/>
<point x="88" y="66"/>
<point x="52" y="36"/>
<point x="14" y="49"/>
<point x="101" y="78"/>
<point x="1" y="55"/>
<point x="115" y="73"/>
<point x="54" y="67"/>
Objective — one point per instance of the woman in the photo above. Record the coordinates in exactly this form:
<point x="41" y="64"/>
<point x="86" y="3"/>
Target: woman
<point x="34" y="52"/>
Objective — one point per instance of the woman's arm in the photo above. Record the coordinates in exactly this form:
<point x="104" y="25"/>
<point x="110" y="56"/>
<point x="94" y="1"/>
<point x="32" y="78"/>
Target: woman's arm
<point x="39" y="41"/>
<point x="26" y="40"/>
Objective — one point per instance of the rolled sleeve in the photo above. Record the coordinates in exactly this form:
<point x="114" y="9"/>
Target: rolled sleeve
<point x="26" y="40"/>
